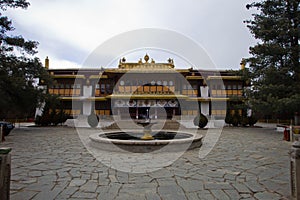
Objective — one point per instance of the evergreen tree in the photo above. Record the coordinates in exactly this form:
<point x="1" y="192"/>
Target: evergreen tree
<point x="274" y="65"/>
<point x="19" y="69"/>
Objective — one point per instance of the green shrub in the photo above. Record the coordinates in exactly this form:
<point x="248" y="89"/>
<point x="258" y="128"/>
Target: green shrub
<point x="43" y="120"/>
<point x="53" y="118"/>
<point x="59" y="118"/>
<point x="244" y="121"/>
<point x="93" y="120"/>
<point x="228" y="119"/>
<point x="200" y="120"/>
<point x="236" y="119"/>
<point x="252" y="120"/>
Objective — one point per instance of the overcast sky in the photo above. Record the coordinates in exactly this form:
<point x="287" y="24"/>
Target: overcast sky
<point x="70" y="30"/>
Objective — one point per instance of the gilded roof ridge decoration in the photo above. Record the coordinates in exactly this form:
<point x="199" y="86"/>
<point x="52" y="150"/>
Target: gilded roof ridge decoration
<point x="140" y="65"/>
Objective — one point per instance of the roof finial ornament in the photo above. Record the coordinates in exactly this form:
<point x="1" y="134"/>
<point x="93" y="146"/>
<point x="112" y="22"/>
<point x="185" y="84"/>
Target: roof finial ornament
<point x="170" y="61"/>
<point x="47" y="63"/>
<point x="146" y="58"/>
<point x="243" y="64"/>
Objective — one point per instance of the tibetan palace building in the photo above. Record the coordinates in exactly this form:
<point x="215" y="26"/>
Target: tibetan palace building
<point x="133" y="89"/>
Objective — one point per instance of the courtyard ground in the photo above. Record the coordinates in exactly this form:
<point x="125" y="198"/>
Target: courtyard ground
<point x="53" y="163"/>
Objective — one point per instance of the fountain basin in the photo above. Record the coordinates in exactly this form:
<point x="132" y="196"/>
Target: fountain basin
<point x="166" y="140"/>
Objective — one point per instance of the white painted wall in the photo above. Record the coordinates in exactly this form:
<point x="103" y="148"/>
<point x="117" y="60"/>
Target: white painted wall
<point x="204" y="91"/>
<point x="87" y="105"/>
<point x="205" y="108"/>
<point x="87" y="91"/>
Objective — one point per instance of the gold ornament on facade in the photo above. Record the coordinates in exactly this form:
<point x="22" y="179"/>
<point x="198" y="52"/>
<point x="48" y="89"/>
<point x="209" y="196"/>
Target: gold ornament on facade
<point x="243" y="64"/>
<point x="146" y="58"/>
<point x="47" y="63"/>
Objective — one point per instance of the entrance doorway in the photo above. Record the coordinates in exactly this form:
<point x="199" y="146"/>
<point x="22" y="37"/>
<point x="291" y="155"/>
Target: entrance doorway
<point x="143" y="112"/>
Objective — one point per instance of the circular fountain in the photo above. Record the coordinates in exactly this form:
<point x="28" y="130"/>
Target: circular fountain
<point x="147" y="140"/>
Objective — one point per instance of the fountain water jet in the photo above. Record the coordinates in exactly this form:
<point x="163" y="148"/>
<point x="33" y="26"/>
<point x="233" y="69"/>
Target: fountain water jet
<point x="147" y="124"/>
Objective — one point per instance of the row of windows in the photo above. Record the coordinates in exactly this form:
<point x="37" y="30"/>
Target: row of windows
<point x="78" y="112"/>
<point x="213" y="112"/>
<point x="191" y="93"/>
<point x="190" y="112"/>
<point x="103" y="89"/>
<point x="66" y="86"/>
<point x="145" y="89"/>
<point x="189" y="87"/>
<point x="226" y="87"/>
<point x="218" y="112"/>
<point x="67" y="111"/>
<point x="108" y="112"/>
<point x="155" y="89"/>
<point x="143" y="82"/>
<point x="102" y="112"/>
<point x="226" y="93"/>
<point x="222" y="112"/>
<point x="65" y="92"/>
<point x="72" y="112"/>
<point x="109" y="85"/>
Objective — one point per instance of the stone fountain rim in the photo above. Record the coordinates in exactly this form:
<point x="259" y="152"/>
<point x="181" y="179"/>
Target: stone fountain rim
<point x="96" y="138"/>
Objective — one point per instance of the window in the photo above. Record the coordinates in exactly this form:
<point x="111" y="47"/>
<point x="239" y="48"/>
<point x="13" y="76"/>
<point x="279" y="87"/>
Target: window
<point x="140" y="83"/>
<point x="128" y="83"/>
<point x="102" y="89"/>
<point x="108" y="89"/>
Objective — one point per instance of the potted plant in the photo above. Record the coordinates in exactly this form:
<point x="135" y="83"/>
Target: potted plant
<point x="93" y="120"/>
<point x="200" y="120"/>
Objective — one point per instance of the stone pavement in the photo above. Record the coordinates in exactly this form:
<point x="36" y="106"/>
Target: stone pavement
<point x="52" y="163"/>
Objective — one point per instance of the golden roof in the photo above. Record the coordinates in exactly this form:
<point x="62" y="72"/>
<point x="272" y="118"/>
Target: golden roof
<point x="146" y="65"/>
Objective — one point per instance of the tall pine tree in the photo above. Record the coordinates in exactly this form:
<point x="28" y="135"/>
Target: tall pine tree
<point x="274" y="65"/>
<point x="19" y="69"/>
